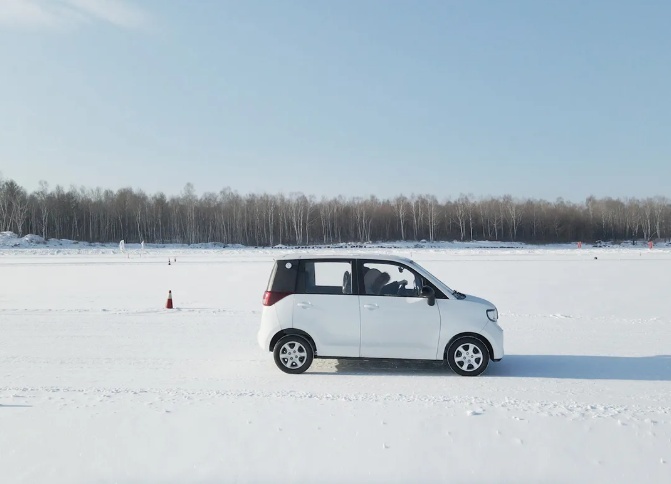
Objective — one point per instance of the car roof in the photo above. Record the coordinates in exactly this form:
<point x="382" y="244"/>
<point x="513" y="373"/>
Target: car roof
<point x="381" y="257"/>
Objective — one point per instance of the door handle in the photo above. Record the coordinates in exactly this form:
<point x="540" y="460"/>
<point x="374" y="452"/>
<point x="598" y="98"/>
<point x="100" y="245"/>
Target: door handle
<point x="371" y="306"/>
<point x="304" y="305"/>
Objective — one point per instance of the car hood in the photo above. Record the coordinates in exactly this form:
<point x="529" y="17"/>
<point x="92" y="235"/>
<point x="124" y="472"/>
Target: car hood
<point x="479" y="300"/>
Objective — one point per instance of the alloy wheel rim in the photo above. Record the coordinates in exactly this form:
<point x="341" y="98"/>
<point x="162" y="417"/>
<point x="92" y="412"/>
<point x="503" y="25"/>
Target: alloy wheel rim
<point x="468" y="357"/>
<point x="293" y="355"/>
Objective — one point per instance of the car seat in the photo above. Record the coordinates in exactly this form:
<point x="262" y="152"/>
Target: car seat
<point x="369" y="279"/>
<point x="347" y="283"/>
<point x="379" y="283"/>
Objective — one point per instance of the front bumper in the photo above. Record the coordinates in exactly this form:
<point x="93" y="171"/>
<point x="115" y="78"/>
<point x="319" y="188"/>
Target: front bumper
<point x="494" y="334"/>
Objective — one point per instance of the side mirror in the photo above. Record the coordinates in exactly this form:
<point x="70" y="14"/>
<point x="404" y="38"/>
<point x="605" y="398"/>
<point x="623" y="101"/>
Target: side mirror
<point x="429" y="294"/>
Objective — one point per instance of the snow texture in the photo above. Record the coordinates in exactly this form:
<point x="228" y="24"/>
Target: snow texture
<point x="99" y="383"/>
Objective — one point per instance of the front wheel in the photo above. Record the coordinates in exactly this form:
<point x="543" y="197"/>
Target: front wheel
<point x="468" y="356"/>
<point x="293" y="354"/>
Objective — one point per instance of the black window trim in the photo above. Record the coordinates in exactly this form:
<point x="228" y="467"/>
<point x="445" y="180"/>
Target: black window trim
<point x="272" y="282"/>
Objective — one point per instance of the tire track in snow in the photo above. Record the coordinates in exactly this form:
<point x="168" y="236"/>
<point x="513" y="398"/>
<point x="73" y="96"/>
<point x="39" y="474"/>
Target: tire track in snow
<point x="565" y="409"/>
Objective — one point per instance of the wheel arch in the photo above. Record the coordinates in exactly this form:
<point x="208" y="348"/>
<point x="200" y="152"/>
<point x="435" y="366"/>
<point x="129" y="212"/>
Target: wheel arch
<point x="477" y="336"/>
<point x="289" y="331"/>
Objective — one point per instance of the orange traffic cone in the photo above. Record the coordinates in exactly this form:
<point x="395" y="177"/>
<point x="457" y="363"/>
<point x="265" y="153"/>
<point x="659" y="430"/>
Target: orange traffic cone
<point x="168" y="304"/>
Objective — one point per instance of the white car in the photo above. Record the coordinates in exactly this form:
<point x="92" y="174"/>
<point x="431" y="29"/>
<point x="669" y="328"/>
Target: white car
<point x="373" y="307"/>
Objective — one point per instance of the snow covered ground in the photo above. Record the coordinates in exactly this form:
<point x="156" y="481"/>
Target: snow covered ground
<point x="98" y="383"/>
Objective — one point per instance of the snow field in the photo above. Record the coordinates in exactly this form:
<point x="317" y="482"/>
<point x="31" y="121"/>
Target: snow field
<point x="99" y="383"/>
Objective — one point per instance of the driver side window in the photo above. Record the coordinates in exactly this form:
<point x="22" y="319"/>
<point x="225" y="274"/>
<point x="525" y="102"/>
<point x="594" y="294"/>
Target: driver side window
<point x="389" y="279"/>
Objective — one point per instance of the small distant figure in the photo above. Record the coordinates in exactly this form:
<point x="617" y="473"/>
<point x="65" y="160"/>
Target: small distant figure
<point x="122" y="246"/>
<point x="175" y="259"/>
<point x="169" y="261"/>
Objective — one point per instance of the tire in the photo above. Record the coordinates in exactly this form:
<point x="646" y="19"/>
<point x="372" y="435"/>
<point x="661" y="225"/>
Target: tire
<point x="468" y="356"/>
<point x="293" y="354"/>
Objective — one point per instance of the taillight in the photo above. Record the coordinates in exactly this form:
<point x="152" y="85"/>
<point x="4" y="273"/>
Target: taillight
<point x="271" y="297"/>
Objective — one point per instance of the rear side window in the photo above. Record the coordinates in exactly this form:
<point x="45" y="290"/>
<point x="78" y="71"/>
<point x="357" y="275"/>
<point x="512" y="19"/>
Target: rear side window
<point x="325" y="277"/>
<point x="284" y="275"/>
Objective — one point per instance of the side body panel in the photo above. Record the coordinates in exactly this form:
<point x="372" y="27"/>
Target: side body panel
<point x="331" y="320"/>
<point x="399" y="327"/>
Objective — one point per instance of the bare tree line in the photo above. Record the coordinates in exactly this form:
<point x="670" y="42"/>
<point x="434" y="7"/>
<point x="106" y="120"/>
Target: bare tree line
<point x="98" y="215"/>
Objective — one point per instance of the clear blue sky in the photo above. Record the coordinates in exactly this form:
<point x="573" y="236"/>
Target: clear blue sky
<point x="532" y="98"/>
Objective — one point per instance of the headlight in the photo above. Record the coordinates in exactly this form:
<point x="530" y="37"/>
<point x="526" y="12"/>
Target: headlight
<point x="493" y="315"/>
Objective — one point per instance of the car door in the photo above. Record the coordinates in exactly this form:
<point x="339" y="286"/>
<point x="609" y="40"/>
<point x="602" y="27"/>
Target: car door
<point x="395" y="321"/>
<point x="327" y="306"/>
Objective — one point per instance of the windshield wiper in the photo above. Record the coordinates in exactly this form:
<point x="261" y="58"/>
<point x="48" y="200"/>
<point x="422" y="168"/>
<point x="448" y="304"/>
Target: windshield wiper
<point x="458" y="294"/>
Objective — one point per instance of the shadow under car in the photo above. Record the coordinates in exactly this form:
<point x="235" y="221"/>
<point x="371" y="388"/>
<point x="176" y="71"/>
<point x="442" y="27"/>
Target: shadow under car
<point x="579" y="367"/>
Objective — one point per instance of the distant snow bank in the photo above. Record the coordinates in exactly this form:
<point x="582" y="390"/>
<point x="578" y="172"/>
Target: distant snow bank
<point x="10" y="239"/>
<point x="31" y="241"/>
<point x="36" y="244"/>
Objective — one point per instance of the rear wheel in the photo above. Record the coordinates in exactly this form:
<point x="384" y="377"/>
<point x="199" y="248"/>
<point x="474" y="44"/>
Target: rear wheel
<point x="468" y="356"/>
<point x="293" y="354"/>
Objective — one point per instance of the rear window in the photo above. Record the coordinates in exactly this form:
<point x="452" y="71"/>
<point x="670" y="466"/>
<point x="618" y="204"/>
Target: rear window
<point x="283" y="277"/>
